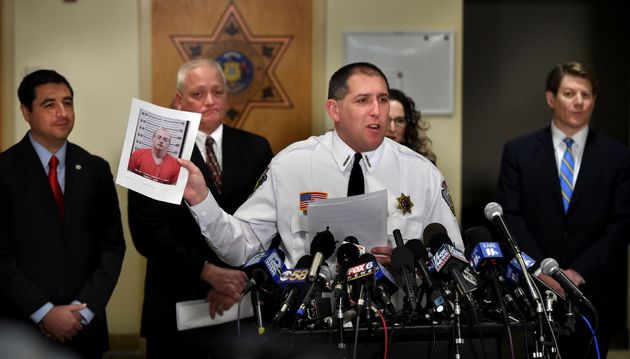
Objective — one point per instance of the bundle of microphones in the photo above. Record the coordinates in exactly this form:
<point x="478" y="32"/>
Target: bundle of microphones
<point x="432" y="282"/>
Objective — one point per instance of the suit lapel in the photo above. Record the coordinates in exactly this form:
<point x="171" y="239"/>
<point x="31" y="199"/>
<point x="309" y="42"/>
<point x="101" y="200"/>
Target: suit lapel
<point x="32" y="172"/>
<point x="547" y="157"/>
<point x="590" y="158"/>
<point x="75" y="175"/>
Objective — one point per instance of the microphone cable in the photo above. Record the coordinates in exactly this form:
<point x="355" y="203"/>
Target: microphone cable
<point x="594" y="337"/>
<point x="506" y="319"/>
<point x="380" y="315"/>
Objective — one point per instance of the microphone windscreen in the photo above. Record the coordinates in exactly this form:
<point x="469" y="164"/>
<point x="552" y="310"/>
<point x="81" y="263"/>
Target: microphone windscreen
<point x="366" y="257"/>
<point x="475" y="235"/>
<point x="402" y="257"/>
<point x="549" y="266"/>
<point x="352" y="239"/>
<point x="304" y="262"/>
<point x="492" y="210"/>
<point x="349" y="253"/>
<point x="325" y="273"/>
<point x="418" y="249"/>
<point x="437" y="240"/>
<point x="323" y="243"/>
<point x="431" y="230"/>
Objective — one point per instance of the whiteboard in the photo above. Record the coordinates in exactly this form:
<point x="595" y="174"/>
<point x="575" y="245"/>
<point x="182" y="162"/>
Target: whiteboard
<point x="421" y="64"/>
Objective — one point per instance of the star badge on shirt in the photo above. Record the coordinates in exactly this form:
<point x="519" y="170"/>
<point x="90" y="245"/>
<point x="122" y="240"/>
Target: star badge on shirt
<point x="404" y="203"/>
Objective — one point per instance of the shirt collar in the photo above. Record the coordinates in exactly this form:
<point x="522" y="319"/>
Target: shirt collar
<point x="217" y="135"/>
<point x="44" y="155"/>
<point x="579" y="139"/>
<point x="343" y="154"/>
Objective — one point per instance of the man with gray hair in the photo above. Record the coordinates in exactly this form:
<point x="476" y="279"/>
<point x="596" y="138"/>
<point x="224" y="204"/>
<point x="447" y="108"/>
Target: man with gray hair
<point x="180" y="265"/>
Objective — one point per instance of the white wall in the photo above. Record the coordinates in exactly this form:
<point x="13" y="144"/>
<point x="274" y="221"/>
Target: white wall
<point x="95" y="45"/>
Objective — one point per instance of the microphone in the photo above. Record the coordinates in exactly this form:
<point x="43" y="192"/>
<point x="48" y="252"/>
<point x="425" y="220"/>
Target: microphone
<point x="449" y="259"/>
<point x="385" y="285"/>
<point x="431" y="230"/>
<point x="494" y="213"/>
<point x="403" y="261"/>
<point x="293" y="280"/>
<point x="550" y="267"/>
<point x="481" y="250"/>
<point x="347" y="256"/>
<point x="421" y="256"/>
<point x="513" y="270"/>
<point x="264" y="269"/>
<point x="322" y="247"/>
<point x="324" y="276"/>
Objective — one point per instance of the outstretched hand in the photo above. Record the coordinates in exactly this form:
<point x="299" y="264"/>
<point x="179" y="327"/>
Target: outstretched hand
<point x="196" y="190"/>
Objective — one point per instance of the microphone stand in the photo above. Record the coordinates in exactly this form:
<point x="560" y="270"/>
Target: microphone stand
<point x="540" y="343"/>
<point x="459" y="340"/>
<point x="259" y="317"/>
<point x="341" y="345"/>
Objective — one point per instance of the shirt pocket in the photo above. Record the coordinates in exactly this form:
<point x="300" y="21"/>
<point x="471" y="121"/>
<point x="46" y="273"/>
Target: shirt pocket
<point x="299" y="242"/>
<point x="409" y="228"/>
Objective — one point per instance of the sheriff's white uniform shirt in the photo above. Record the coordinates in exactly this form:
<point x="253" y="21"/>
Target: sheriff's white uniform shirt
<point x="323" y="164"/>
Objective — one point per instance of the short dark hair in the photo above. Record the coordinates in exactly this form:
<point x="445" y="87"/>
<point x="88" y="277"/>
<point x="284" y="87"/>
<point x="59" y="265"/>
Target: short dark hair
<point x="26" y="90"/>
<point x="338" y="84"/>
<point x="571" y="68"/>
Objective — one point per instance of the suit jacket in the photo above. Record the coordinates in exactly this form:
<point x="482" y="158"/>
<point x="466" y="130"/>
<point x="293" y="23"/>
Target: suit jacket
<point x="44" y="258"/>
<point x="593" y="235"/>
<point x="169" y="237"/>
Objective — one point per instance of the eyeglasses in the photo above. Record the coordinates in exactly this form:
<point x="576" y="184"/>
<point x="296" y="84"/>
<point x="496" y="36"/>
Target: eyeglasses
<point x="398" y="121"/>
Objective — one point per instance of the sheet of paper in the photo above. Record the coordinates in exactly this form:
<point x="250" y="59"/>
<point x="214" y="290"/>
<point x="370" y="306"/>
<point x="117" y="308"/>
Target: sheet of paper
<point x="195" y="313"/>
<point x="363" y="216"/>
<point x="144" y="120"/>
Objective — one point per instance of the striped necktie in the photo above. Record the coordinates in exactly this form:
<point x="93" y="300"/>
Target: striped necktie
<point x="213" y="164"/>
<point x="566" y="174"/>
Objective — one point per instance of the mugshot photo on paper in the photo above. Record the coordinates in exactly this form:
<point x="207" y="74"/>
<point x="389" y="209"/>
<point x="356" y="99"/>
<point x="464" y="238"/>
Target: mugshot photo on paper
<point x="156" y="146"/>
<point x="156" y="137"/>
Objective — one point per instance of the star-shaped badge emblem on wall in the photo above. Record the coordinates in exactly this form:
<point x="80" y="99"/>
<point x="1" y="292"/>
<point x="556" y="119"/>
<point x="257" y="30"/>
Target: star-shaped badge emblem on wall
<point x="248" y="63"/>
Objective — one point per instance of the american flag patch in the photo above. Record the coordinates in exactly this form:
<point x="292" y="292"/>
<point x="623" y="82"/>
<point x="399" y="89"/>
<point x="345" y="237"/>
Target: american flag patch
<point x="308" y="197"/>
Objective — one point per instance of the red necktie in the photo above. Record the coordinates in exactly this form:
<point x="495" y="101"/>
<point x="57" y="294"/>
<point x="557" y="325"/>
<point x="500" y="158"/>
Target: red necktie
<point x="54" y="183"/>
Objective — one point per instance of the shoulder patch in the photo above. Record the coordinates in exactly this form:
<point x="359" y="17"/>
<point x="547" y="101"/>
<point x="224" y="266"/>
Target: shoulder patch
<point x="447" y="197"/>
<point x="261" y="179"/>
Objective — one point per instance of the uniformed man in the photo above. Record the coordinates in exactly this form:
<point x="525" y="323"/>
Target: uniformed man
<point x="358" y="104"/>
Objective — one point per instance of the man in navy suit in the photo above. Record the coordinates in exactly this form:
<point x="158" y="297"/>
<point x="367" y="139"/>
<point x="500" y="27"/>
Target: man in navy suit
<point x="61" y="238"/>
<point x="180" y="265"/>
<point x="565" y="191"/>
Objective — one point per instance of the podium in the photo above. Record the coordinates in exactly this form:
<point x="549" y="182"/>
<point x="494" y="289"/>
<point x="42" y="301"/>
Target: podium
<point x="488" y="340"/>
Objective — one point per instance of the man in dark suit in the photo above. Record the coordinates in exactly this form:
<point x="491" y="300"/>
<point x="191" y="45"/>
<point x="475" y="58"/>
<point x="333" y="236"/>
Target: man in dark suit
<point x="565" y="191"/>
<point x="61" y="239"/>
<point x="180" y="265"/>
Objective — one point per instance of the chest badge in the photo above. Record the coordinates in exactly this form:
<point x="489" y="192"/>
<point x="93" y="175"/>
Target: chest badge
<point x="404" y="203"/>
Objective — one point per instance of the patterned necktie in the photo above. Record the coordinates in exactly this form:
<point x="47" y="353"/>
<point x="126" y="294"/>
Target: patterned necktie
<point x="356" y="184"/>
<point x="54" y="183"/>
<point x="213" y="164"/>
<point x="566" y="174"/>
